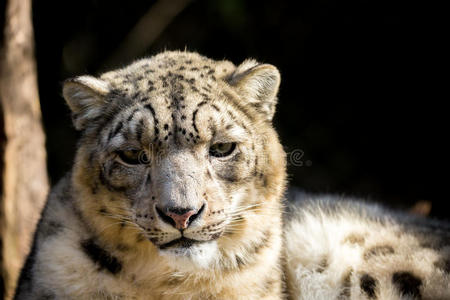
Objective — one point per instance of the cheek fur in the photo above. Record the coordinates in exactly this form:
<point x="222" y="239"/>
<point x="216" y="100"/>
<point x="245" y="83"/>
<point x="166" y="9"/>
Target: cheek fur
<point x="118" y="177"/>
<point x="237" y="169"/>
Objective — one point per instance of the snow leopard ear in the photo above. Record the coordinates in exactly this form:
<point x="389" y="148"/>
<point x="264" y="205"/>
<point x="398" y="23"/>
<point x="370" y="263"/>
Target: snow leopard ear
<point x="258" y="84"/>
<point x="85" y="96"/>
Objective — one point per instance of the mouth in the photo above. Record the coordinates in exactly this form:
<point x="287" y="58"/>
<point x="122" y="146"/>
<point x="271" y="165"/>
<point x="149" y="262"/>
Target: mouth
<point x="182" y="242"/>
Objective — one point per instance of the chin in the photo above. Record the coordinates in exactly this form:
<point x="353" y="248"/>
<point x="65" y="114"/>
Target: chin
<point x="190" y="257"/>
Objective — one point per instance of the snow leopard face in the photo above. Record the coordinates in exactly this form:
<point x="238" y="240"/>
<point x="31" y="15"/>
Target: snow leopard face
<point x="178" y="151"/>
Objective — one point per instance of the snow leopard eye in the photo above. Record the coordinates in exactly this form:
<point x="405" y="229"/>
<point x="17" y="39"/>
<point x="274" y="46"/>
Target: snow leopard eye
<point x="222" y="149"/>
<point x="133" y="157"/>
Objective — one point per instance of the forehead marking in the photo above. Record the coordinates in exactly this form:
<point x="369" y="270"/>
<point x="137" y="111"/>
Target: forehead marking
<point x="130" y="117"/>
<point x="139" y="130"/>
<point x="143" y="99"/>
<point x="149" y="107"/>
<point x="215" y="107"/>
<point x="174" y="84"/>
<point x="115" y="131"/>
<point x="194" y="115"/>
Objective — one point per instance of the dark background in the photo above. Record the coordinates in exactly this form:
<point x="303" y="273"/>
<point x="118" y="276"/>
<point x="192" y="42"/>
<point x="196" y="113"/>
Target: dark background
<point x="359" y="88"/>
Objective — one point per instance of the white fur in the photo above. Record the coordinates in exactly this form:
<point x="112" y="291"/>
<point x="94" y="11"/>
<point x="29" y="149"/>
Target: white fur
<point x="203" y="256"/>
<point x="318" y="234"/>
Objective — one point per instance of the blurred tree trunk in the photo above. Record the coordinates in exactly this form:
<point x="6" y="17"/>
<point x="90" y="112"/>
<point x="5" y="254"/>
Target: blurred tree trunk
<point x="23" y="176"/>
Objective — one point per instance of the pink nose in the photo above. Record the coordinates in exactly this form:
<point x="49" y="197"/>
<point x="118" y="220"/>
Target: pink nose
<point x="178" y="217"/>
<point x="181" y="220"/>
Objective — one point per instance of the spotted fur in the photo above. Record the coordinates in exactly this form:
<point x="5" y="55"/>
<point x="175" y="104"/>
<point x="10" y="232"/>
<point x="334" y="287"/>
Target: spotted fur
<point x="371" y="252"/>
<point x="148" y="210"/>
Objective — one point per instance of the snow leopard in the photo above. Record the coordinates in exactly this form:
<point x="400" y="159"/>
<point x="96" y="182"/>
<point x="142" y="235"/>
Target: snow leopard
<point x="178" y="191"/>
